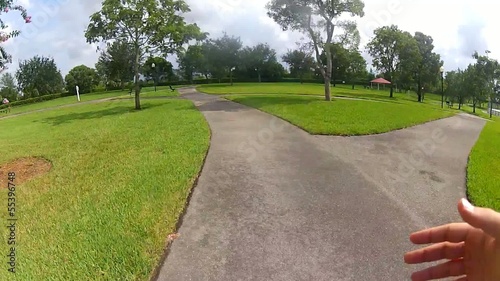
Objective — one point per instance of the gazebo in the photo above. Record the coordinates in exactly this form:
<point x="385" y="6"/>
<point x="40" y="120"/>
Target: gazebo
<point x="379" y="81"/>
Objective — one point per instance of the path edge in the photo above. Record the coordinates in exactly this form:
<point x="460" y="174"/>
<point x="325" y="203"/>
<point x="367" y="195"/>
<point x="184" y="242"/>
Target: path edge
<point x="155" y="274"/>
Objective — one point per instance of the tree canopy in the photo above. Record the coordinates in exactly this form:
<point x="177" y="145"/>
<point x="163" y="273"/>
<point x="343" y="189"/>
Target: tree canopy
<point x="148" y="26"/>
<point x="82" y="76"/>
<point x="318" y="19"/>
<point x="39" y="76"/>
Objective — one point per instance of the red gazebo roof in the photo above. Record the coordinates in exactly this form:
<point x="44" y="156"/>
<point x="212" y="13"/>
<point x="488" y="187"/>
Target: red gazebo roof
<point x="380" y="81"/>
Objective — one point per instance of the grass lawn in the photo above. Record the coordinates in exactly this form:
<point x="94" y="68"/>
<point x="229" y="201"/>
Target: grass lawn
<point x="342" y="117"/>
<point x="483" y="171"/>
<point x="119" y="182"/>
<point x="314" y="89"/>
<point x="64" y="101"/>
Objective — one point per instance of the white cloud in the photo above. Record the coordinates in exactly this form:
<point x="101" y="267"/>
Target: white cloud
<point x="458" y="27"/>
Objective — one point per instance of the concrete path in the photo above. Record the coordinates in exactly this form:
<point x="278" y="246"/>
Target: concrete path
<point x="275" y="203"/>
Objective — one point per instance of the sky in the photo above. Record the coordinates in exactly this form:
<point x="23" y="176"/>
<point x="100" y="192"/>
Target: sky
<point x="457" y="27"/>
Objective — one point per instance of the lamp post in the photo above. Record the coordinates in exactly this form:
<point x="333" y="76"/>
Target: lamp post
<point x="231" y="74"/>
<point x="153" y="66"/>
<point x="442" y="86"/>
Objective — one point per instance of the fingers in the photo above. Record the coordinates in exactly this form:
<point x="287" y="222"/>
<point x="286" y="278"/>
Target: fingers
<point x="455" y="233"/>
<point x="446" y="250"/>
<point x="449" y="269"/>
<point x="462" y="279"/>
<point x="482" y="218"/>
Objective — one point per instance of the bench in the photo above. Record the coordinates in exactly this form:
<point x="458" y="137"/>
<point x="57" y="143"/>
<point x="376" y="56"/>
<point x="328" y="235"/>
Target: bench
<point x="450" y="104"/>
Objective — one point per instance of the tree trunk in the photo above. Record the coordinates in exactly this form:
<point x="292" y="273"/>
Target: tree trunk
<point x="301" y="80"/>
<point x="260" y="80"/>
<point x="419" y="91"/>
<point x="328" y="96"/>
<point x="328" y="73"/>
<point x="392" y="91"/>
<point x="137" y="88"/>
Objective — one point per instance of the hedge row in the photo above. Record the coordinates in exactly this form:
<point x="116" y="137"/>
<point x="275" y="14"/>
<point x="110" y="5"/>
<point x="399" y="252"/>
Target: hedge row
<point x="35" y="100"/>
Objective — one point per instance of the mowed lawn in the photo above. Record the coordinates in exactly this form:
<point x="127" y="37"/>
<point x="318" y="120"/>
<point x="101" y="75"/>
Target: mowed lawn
<point x="149" y="92"/>
<point x="119" y="182"/>
<point x="483" y="172"/>
<point x="315" y="90"/>
<point x="341" y="116"/>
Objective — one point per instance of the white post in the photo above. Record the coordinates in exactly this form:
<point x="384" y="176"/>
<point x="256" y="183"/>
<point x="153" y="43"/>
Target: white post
<point x="78" y="92"/>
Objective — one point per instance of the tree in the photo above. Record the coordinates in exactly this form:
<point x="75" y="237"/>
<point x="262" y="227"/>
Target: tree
<point x="82" y="76"/>
<point x="163" y="69"/>
<point x="257" y="60"/>
<point x="317" y="18"/>
<point x="483" y="75"/>
<point x="223" y="55"/>
<point x="393" y="52"/>
<point x="148" y="26"/>
<point x="8" y="87"/>
<point x="6" y="33"/>
<point x="118" y="59"/>
<point x="103" y="70"/>
<point x="427" y="70"/>
<point x="301" y="63"/>
<point x="39" y="76"/>
<point x="192" y="60"/>
<point x="357" y="67"/>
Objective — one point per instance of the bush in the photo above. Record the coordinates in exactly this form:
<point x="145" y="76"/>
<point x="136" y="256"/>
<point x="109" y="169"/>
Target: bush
<point x="34" y="100"/>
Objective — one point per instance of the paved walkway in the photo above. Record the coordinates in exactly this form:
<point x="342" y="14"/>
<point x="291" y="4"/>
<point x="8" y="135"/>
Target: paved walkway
<point x="275" y="203"/>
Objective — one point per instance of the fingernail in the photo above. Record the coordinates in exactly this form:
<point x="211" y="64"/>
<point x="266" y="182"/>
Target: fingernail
<point x="468" y="206"/>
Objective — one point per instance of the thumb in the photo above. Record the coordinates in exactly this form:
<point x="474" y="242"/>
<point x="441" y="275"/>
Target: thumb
<point x="482" y="218"/>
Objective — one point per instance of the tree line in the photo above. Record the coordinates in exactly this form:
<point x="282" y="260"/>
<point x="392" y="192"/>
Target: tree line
<point x="139" y="35"/>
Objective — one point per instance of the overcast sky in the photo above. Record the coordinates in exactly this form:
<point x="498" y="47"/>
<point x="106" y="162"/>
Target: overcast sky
<point x="458" y="28"/>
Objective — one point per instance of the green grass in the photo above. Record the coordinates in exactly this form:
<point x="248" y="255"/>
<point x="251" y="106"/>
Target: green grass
<point x="483" y="171"/>
<point x="119" y="182"/>
<point x="342" y="117"/>
<point x="316" y="90"/>
<point x="65" y="101"/>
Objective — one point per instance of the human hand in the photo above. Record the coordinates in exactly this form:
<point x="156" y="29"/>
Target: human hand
<point x="471" y="248"/>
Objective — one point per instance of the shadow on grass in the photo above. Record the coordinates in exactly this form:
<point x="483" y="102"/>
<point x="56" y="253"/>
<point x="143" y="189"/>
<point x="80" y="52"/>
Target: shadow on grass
<point x="118" y="110"/>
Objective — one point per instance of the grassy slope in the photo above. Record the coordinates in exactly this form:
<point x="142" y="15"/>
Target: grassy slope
<point x="119" y="182"/>
<point x="341" y="117"/>
<point x="483" y="172"/>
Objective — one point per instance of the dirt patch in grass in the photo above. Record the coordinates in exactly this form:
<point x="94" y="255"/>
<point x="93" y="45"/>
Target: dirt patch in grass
<point x="25" y="169"/>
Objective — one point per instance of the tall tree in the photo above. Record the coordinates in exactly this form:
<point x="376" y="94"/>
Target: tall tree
<point x="427" y="69"/>
<point x="192" y="60"/>
<point x="300" y="62"/>
<point x="6" y="32"/>
<point x="391" y="49"/>
<point x="357" y="67"/>
<point x="39" y="76"/>
<point x="317" y="18"/>
<point x="259" y="59"/>
<point x="8" y="87"/>
<point x="223" y="55"/>
<point x="84" y="77"/>
<point x="149" y="26"/>
<point x="120" y="59"/>
<point x="486" y="71"/>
